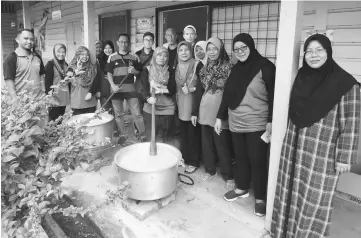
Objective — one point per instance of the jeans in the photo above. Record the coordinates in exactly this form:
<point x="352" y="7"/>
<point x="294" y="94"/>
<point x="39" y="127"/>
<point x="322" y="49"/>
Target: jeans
<point x="119" y="113"/>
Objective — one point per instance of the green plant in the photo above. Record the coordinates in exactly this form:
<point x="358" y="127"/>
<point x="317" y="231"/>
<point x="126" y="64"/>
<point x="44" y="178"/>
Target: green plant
<point x="33" y="160"/>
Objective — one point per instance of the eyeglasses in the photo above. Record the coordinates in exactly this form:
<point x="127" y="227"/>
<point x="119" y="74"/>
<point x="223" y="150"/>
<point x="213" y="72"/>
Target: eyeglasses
<point x="212" y="49"/>
<point x="318" y="51"/>
<point x="243" y="49"/>
<point x="148" y="40"/>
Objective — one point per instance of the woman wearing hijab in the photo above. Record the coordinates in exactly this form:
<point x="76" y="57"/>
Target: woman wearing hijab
<point x="85" y="83"/>
<point x="247" y="103"/>
<point x="320" y="143"/>
<point x="200" y="52"/>
<point x="209" y="93"/>
<point x="160" y="77"/>
<point x="54" y="74"/>
<point x="104" y="83"/>
<point x="186" y="79"/>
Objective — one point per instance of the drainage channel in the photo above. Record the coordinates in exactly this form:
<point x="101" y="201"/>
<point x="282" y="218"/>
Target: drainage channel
<point x="59" y="226"/>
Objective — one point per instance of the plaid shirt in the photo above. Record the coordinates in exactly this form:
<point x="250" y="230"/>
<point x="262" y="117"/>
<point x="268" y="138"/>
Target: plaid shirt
<point x="333" y="139"/>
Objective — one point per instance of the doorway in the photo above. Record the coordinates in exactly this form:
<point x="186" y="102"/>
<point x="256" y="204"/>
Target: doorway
<point x="111" y="25"/>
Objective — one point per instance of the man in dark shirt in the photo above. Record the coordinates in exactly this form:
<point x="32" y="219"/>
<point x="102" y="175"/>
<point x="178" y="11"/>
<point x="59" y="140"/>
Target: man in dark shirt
<point x="23" y="69"/>
<point x="171" y="45"/>
<point x="124" y="65"/>
<point x="145" y="56"/>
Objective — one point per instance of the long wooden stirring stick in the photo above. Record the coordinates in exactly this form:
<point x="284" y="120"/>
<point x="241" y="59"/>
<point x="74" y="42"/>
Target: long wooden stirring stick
<point x="153" y="145"/>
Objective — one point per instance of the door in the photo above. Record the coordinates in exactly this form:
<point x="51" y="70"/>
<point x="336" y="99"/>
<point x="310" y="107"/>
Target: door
<point x="114" y="24"/>
<point x="73" y="38"/>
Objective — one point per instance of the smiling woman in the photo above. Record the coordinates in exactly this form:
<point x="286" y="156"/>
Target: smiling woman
<point x="320" y="143"/>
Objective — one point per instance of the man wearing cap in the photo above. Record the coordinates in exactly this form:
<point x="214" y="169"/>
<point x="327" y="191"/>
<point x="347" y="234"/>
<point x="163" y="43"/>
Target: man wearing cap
<point x="190" y="35"/>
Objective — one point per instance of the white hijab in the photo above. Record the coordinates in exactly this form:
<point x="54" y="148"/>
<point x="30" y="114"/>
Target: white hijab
<point x="203" y="45"/>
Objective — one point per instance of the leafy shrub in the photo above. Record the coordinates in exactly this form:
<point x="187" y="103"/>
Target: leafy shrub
<point x="33" y="159"/>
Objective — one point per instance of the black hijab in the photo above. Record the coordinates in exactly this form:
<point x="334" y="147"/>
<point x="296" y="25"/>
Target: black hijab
<point x="243" y="73"/>
<point x="103" y="58"/>
<point x="316" y="91"/>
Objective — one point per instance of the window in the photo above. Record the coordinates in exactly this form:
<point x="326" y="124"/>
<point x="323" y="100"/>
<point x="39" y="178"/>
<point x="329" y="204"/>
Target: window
<point x="260" y="20"/>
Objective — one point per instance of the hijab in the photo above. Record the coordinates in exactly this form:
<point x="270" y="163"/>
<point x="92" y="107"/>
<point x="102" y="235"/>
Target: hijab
<point x="85" y="79"/>
<point x="185" y="69"/>
<point x="203" y="45"/>
<point x="99" y="42"/>
<point x="104" y="58"/>
<point x="243" y="73"/>
<point x="158" y="73"/>
<point x="215" y="73"/>
<point x="316" y="91"/>
<point x="60" y="65"/>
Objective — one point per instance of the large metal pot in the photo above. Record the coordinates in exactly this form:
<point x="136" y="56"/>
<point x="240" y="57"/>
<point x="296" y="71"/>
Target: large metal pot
<point x="153" y="183"/>
<point x="97" y="129"/>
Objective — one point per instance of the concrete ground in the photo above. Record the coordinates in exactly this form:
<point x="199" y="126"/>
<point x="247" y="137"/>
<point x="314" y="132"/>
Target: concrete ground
<point x="198" y="211"/>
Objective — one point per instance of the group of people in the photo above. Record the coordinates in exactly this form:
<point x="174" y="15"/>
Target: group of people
<point x="221" y="111"/>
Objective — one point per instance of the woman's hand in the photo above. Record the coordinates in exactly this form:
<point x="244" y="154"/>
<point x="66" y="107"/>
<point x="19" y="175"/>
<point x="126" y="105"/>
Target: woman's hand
<point x="342" y="168"/>
<point x="88" y="96"/>
<point x="269" y="128"/>
<point x="194" y="120"/>
<point x="185" y="89"/>
<point x="217" y="126"/>
<point x="151" y="100"/>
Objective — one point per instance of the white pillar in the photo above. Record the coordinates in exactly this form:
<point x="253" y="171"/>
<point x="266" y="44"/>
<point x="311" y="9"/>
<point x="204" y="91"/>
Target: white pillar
<point x="89" y="16"/>
<point x="288" y="51"/>
<point x="26" y="14"/>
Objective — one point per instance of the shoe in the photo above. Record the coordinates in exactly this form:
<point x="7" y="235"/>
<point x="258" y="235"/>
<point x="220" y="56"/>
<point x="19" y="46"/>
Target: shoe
<point x="230" y="185"/>
<point x="208" y="176"/>
<point x="260" y="209"/>
<point x="232" y="195"/>
<point x="190" y="169"/>
<point x="122" y="139"/>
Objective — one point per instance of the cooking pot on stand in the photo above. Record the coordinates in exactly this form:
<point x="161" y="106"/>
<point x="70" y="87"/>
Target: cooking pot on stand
<point x="149" y="178"/>
<point x="97" y="130"/>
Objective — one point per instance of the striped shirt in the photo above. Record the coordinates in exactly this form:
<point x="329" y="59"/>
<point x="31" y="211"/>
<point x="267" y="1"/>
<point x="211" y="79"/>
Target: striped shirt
<point x="118" y="66"/>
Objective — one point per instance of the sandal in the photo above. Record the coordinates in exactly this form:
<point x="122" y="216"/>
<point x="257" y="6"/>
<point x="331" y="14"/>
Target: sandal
<point x="190" y="169"/>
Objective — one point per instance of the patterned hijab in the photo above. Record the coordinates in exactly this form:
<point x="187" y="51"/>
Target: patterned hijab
<point x="185" y="69"/>
<point x="215" y="73"/>
<point x="60" y="65"/>
<point x="158" y="73"/>
<point x="203" y="45"/>
<point x="85" y="79"/>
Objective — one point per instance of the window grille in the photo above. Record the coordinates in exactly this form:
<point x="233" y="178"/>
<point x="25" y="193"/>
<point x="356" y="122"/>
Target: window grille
<point x="7" y="7"/>
<point x="260" y="20"/>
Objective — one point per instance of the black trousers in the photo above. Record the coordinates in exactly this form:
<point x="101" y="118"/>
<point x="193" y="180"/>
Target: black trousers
<point x="55" y="112"/>
<point x="190" y="142"/>
<point x="251" y="162"/>
<point x="163" y="125"/>
<point x="220" y="146"/>
<point x="83" y="110"/>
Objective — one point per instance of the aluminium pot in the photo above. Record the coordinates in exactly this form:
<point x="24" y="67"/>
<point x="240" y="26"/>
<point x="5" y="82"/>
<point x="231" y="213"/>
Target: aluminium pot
<point x="153" y="183"/>
<point x="97" y="130"/>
